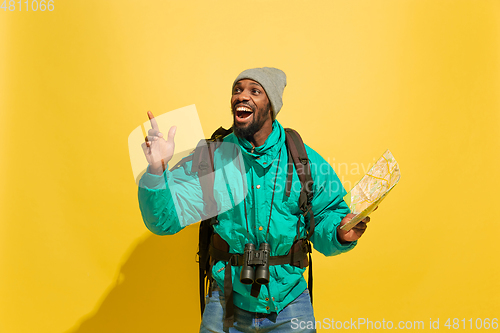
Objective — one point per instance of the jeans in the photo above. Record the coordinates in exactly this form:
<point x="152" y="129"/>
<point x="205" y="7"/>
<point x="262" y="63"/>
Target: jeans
<point x="295" y="317"/>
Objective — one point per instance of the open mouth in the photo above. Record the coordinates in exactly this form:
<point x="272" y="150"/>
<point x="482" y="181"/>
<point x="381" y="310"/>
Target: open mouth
<point x="243" y="113"/>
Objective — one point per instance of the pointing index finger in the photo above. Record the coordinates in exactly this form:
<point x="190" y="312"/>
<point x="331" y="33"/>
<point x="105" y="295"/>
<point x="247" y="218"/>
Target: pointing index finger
<point x="154" y="124"/>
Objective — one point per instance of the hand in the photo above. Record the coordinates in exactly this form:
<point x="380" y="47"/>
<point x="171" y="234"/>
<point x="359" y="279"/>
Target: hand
<point x="157" y="150"/>
<point x="353" y="234"/>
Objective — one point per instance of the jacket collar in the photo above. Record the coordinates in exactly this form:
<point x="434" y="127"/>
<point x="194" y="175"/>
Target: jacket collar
<point x="268" y="152"/>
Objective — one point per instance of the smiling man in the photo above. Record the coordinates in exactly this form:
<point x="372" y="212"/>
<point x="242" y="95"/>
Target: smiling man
<point x="269" y="218"/>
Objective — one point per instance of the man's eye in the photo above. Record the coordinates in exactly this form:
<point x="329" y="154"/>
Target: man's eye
<point x="256" y="91"/>
<point x="237" y="90"/>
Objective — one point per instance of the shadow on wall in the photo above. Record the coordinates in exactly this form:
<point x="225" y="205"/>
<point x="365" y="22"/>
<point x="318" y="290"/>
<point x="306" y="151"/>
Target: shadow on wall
<point x="157" y="290"/>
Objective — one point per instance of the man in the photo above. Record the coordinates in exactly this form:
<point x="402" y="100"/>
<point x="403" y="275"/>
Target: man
<point x="266" y="214"/>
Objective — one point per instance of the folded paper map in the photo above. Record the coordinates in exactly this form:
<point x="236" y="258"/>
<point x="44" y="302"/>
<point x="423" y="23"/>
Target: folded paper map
<point x="369" y="192"/>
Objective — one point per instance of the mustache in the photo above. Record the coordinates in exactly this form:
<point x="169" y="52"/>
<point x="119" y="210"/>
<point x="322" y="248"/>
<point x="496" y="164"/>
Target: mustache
<point x="242" y="104"/>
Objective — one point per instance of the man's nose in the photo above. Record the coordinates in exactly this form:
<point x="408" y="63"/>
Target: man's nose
<point x="244" y="96"/>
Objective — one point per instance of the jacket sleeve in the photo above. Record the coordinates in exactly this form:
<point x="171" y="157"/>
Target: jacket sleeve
<point x="171" y="201"/>
<point x="328" y="206"/>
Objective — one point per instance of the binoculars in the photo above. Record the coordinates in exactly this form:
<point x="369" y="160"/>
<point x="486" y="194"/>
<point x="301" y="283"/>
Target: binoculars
<point x="256" y="265"/>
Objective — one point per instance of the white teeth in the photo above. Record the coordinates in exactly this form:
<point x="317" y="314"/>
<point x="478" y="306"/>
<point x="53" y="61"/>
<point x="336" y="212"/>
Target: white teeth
<point x="242" y="108"/>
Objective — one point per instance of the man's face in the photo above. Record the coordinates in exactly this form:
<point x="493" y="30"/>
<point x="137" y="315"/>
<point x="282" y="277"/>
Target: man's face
<point x="250" y="107"/>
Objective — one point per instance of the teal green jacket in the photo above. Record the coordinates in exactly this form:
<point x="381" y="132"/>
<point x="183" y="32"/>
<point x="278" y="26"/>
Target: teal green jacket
<point x="167" y="207"/>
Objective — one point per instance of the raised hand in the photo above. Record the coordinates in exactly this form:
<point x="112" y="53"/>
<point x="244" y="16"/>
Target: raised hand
<point x="157" y="150"/>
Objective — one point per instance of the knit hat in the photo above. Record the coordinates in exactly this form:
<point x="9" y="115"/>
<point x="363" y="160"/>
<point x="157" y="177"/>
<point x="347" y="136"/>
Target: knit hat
<point x="273" y="81"/>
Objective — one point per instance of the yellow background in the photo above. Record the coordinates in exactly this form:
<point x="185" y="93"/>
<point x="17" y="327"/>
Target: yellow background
<point x="420" y="77"/>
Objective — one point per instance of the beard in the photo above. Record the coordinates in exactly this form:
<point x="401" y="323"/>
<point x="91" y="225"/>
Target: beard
<point x="259" y="118"/>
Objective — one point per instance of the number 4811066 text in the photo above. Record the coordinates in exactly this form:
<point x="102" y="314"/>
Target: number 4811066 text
<point x="41" y="5"/>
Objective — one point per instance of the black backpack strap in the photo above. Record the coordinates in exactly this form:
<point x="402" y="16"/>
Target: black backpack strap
<point x="206" y="231"/>
<point x="203" y="164"/>
<point x="289" y="172"/>
<point x="301" y="161"/>
<point x="297" y="153"/>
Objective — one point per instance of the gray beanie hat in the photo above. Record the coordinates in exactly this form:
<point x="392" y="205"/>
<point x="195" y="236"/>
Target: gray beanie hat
<point x="273" y="81"/>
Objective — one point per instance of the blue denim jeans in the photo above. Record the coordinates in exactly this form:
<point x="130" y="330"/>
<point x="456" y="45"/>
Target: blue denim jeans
<point x="295" y="317"/>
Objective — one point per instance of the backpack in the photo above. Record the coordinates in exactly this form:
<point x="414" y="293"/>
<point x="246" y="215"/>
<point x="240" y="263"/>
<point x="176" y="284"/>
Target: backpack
<point x="203" y="164"/>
